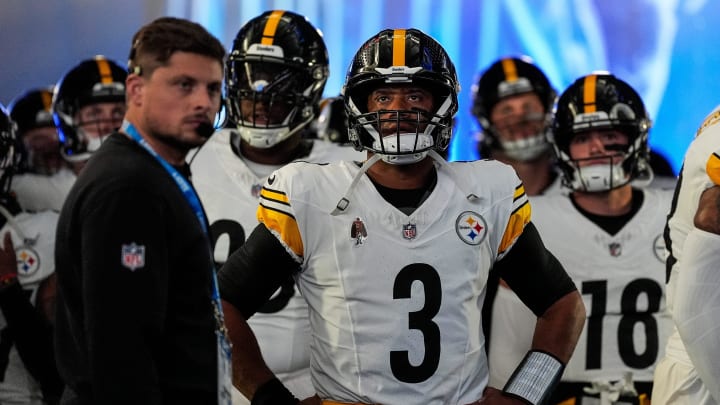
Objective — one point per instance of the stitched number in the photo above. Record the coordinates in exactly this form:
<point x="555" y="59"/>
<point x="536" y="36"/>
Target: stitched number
<point x="420" y="320"/>
<point x="631" y="316"/>
<point x="236" y="235"/>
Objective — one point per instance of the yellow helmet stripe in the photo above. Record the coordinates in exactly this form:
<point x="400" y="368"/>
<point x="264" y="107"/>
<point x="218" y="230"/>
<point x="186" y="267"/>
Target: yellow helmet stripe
<point x="46" y="97"/>
<point x="399" y="48"/>
<point x="509" y="69"/>
<point x="589" y="94"/>
<point x="104" y="69"/>
<point x="271" y="26"/>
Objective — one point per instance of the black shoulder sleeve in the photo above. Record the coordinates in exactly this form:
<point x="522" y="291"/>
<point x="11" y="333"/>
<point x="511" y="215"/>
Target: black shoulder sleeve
<point x="255" y="271"/>
<point x="535" y="275"/>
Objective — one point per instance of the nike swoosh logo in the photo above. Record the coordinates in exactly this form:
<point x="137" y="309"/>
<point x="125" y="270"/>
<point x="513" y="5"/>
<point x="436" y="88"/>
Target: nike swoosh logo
<point x="271" y="179"/>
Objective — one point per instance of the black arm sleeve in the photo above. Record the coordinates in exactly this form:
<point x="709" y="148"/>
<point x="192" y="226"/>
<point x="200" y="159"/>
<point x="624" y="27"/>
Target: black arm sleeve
<point x="535" y="275"/>
<point x="32" y="334"/>
<point x="255" y="271"/>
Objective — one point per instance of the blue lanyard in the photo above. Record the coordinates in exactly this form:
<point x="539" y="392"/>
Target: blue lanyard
<point x="192" y="199"/>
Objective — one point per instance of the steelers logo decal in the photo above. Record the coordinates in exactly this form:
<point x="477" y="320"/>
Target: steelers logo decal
<point x="28" y="261"/>
<point x="471" y="227"/>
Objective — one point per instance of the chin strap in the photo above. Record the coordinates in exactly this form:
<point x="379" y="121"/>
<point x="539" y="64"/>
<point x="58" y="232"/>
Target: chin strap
<point x="345" y="201"/>
<point x="14" y="225"/>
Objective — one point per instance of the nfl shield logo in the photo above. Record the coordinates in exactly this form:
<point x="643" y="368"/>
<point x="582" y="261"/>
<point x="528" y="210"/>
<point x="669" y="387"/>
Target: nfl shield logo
<point x="132" y="256"/>
<point x="409" y="231"/>
<point x="615" y="249"/>
<point x="255" y="190"/>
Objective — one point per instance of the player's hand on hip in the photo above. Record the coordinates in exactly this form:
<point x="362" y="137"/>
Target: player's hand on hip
<point x="496" y="397"/>
<point x="313" y="400"/>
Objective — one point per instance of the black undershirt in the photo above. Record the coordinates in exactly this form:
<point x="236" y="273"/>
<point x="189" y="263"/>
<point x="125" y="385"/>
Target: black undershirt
<point x="613" y="224"/>
<point x="407" y="201"/>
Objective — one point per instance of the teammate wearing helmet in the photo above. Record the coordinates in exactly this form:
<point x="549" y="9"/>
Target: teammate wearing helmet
<point x="39" y="145"/>
<point x="88" y="103"/>
<point x="607" y="234"/>
<point x="275" y="76"/>
<point x="392" y="256"/>
<point x="27" y="290"/>
<point x="512" y="102"/>
<point x="689" y="372"/>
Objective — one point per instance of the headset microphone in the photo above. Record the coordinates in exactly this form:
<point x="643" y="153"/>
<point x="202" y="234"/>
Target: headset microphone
<point x="204" y="129"/>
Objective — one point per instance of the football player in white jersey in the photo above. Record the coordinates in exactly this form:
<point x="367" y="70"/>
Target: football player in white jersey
<point x="393" y="256"/>
<point x="512" y="103"/>
<point x="275" y="76"/>
<point x="88" y="103"/>
<point x="607" y="235"/>
<point x="689" y="373"/>
<point x="28" y="374"/>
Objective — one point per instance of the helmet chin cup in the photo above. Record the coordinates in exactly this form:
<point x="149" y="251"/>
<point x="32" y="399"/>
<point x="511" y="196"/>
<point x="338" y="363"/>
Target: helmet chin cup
<point x="525" y="149"/>
<point x="412" y="148"/>
<point x="596" y="178"/>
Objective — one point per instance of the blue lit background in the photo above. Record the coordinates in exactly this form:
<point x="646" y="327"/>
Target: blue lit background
<point x="666" y="49"/>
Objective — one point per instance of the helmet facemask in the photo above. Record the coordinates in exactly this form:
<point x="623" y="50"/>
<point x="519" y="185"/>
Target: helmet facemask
<point x="271" y="101"/>
<point x="400" y="136"/>
<point x="521" y="146"/>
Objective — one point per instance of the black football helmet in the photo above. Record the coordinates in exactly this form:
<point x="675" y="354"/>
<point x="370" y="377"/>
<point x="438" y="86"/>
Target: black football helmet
<point x="278" y="66"/>
<point x="601" y="101"/>
<point x="401" y="56"/>
<point x="504" y="78"/>
<point x="96" y="80"/>
<point x="32" y="109"/>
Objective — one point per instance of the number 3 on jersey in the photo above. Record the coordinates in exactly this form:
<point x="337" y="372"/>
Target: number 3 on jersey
<point x="630" y="316"/>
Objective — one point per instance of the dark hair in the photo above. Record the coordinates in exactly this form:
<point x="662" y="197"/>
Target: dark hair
<point x="156" y="42"/>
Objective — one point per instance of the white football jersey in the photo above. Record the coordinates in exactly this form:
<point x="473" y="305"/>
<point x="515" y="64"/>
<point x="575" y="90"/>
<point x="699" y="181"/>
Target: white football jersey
<point x="36" y="262"/>
<point x="229" y="191"/>
<point x="621" y="278"/>
<point x="701" y="170"/>
<point x="395" y="300"/>
<point x="38" y="192"/>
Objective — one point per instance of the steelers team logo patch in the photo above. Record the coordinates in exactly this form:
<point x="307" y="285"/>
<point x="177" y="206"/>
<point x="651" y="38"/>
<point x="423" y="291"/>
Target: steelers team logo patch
<point x="471" y="228"/>
<point x="28" y="261"/>
<point x="659" y="248"/>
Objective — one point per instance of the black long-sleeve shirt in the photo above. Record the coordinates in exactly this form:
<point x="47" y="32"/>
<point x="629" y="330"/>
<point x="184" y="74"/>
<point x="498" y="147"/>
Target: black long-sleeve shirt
<point x="134" y="320"/>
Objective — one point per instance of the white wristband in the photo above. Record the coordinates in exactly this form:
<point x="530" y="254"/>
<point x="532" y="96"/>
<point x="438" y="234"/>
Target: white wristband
<point x="535" y="378"/>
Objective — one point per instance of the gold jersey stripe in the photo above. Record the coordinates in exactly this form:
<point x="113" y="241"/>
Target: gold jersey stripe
<point x="712" y="168"/>
<point x="509" y="69"/>
<point x="284" y="225"/>
<point x="46" y="97"/>
<point x="271" y="26"/>
<point x="274" y="195"/>
<point x="569" y="401"/>
<point x="399" y="48"/>
<point x="518" y="219"/>
<point x="589" y="94"/>
<point x="105" y="72"/>
<point x="519" y="192"/>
